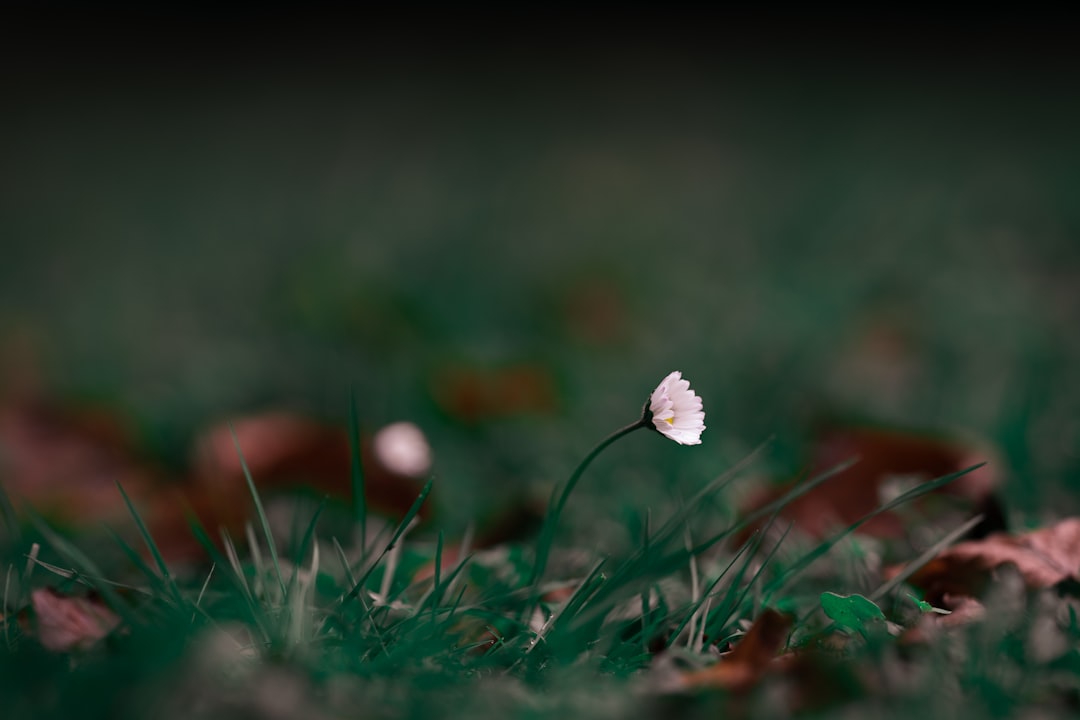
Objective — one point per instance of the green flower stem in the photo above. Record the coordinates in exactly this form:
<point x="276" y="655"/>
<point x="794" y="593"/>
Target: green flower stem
<point x="551" y="522"/>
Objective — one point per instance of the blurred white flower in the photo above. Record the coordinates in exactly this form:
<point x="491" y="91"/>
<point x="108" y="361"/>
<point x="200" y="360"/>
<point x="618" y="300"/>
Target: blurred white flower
<point x="676" y="410"/>
<point x="402" y="448"/>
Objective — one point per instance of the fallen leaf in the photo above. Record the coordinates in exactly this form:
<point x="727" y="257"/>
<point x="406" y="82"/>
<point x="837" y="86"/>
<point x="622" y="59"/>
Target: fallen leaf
<point x="741" y="669"/>
<point x="1044" y="557"/>
<point x="887" y="462"/>
<point x="963" y="610"/>
<point x="66" y="623"/>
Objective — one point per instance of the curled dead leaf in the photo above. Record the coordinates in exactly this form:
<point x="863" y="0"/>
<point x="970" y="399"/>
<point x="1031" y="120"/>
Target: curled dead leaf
<point x="1044" y="557"/>
<point x="65" y="623"/>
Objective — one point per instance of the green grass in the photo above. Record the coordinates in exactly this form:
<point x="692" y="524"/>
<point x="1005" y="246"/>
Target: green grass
<point x="236" y="637"/>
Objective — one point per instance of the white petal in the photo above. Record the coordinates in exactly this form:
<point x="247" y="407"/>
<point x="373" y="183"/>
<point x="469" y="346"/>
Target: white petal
<point x="677" y="410"/>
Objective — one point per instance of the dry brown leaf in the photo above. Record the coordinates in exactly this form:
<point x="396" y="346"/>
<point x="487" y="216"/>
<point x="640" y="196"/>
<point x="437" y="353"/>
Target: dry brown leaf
<point x="66" y="623"/>
<point x="1044" y="557"/>
<point x="741" y="669"/>
<point x="881" y="455"/>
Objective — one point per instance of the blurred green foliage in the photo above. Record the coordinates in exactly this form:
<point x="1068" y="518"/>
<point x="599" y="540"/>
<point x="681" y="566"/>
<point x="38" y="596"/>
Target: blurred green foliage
<point x="800" y="239"/>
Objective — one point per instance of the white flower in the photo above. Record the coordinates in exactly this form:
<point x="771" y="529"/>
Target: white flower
<point x="676" y="410"/>
<point x="402" y="448"/>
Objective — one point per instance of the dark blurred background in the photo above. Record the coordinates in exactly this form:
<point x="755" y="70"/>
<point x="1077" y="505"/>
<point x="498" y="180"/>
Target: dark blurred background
<point x="216" y="215"/>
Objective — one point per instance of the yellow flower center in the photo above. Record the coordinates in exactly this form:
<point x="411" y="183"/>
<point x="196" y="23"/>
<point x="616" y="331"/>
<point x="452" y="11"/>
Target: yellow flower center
<point x="670" y="420"/>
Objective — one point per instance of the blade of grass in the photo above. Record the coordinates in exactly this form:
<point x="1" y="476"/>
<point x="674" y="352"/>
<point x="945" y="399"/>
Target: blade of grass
<point x="699" y="641"/>
<point x="454" y="606"/>
<point x="678" y="520"/>
<point x="932" y="552"/>
<point x="579" y="597"/>
<point x="392" y="559"/>
<point x="156" y="580"/>
<point x="650" y="560"/>
<point x="642" y="566"/>
<point x="363" y="605"/>
<point x="87" y="580"/>
<point x="259" y="509"/>
<point x="234" y="562"/>
<point x="356" y="473"/>
<point x="297" y="600"/>
<point x="89" y="568"/>
<point x="231" y="560"/>
<point x="454" y="574"/>
<point x="693" y="608"/>
<point x="202" y="591"/>
<point x="305" y="543"/>
<point x="401" y="528"/>
<point x="159" y="560"/>
<point x="437" y="576"/>
<point x="258" y="584"/>
<point x="345" y="566"/>
<point x="463" y="553"/>
<point x="11" y="520"/>
<point x="31" y="561"/>
<point x="776" y="506"/>
<point x="6" y="609"/>
<point x="545" y="541"/>
<point x="731" y="608"/>
<point x="636" y="568"/>
<point x="695" y="585"/>
<point x="916" y="492"/>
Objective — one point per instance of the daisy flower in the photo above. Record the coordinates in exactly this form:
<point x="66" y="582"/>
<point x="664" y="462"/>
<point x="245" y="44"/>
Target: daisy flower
<point x="676" y="410"/>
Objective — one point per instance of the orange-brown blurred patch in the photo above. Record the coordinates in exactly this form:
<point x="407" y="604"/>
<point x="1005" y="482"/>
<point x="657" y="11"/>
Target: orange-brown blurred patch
<point x="594" y="309"/>
<point x="473" y="395"/>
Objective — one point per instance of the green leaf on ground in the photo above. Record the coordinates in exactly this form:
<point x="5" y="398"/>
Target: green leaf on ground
<point x="853" y="612"/>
